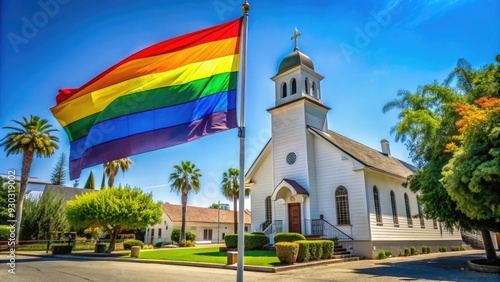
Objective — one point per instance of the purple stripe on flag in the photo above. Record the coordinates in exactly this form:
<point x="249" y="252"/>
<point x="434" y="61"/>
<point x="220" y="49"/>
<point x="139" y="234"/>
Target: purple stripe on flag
<point x="154" y="140"/>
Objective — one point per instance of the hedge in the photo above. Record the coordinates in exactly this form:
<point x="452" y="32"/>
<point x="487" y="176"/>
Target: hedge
<point x="187" y="243"/>
<point x="255" y="241"/>
<point x="231" y="240"/>
<point x="127" y="245"/>
<point x="328" y="248"/>
<point x="407" y="252"/>
<point x="412" y="250"/>
<point x="288" y="237"/>
<point x="388" y="253"/>
<point x="314" y="250"/>
<point x="381" y="254"/>
<point x="252" y="241"/>
<point x="442" y="249"/>
<point x="287" y="252"/>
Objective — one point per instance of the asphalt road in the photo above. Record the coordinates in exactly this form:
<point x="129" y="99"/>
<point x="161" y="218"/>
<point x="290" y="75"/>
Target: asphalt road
<point x="447" y="267"/>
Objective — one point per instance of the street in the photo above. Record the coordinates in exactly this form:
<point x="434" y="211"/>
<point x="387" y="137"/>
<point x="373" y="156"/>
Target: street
<point x="438" y="267"/>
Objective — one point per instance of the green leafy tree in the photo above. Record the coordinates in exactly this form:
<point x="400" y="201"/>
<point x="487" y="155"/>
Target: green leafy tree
<point x="32" y="138"/>
<point x="427" y="124"/>
<point x="231" y="190"/>
<point x="111" y="168"/>
<point x="113" y="210"/>
<point x="472" y="176"/>
<point x="4" y="199"/>
<point x="58" y="176"/>
<point x="42" y="216"/>
<point x="214" y="206"/>
<point x="184" y="180"/>
<point x="90" y="183"/>
<point x="103" y="182"/>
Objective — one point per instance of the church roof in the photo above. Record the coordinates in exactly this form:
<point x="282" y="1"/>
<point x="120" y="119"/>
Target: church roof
<point x="366" y="155"/>
<point x="295" y="59"/>
<point x="198" y="214"/>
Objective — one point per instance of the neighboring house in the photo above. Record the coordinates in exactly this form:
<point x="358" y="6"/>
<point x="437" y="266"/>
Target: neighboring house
<point x="209" y="225"/>
<point x="34" y="183"/>
<point x="314" y="181"/>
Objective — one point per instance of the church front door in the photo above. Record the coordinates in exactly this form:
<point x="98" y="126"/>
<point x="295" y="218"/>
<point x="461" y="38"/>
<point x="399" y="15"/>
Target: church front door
<point x="294" y="224"/>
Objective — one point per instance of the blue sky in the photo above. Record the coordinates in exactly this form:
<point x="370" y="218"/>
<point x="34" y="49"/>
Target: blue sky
<point x="367" y="51"/>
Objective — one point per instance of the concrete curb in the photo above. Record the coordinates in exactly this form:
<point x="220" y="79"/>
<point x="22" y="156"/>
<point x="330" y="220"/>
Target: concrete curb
<point x="483" y="268"/>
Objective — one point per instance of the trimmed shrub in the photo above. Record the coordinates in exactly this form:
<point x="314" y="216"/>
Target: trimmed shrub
<point x="315" y="250"/>
<point x="288" y="237"/>
<point x="255" y="241"/>
<point x="462" y="248"/>
<point x="287" y="252"/>
<point x="303" y="254"/>
<point x="147" y="247"/>
<point x="388" y="253"/>
<point x="159" y="244"/>
<point x="457" y="248"/>
<point x="187" y="243"/>
<point x="328" y="248"/>
<point x="176" y="235"/>
<point x="412" y="250"/>
<point x="400" y="253"/>
<point x="4" y="232"/>
<point x="259" y="233"/>
<point x="407" y="252"/>
<point x="426" y="250"/>
<point x="128" y="244"/>
<point x="381" y="254"/>
<point x="442" y="249"/>
<point x="231" y="240"/>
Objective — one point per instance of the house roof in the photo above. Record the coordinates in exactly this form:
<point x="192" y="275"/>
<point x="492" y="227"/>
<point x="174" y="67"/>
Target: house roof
<point x="68" y="193"/>
<point x="298" y="188"/>
<point x="197" y="214"/>
<point x="366" y="155"/>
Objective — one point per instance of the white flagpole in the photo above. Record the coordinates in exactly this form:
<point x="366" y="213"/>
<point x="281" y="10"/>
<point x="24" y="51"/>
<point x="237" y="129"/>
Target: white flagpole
<point x="241" y="134"/>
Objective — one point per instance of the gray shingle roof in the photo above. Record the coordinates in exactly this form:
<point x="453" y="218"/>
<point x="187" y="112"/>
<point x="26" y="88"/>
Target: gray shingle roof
<point x="366" y="155"/>
<point x="68" y="193"/>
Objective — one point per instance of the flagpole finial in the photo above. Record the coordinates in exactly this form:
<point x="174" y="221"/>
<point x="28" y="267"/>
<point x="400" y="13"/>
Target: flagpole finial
<point x="245" y="7"/>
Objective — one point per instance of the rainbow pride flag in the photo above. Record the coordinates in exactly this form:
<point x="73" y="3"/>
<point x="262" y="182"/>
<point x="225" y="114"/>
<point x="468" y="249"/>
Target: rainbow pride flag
<point x="170" y="93"/>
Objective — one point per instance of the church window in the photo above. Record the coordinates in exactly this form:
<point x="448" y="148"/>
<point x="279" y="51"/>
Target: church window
<point x="342" y="203"/>
<point x="408" y="211"/>
<point x="269" y="215"/>
<point x="283" y="90"/>
<point x="313" y="92"/>
<point x="294" y="86"/>
<point x="291" y="158"/>
<point x="376" y="200"/>
<point x="306" y="86"/>
<point x="420" y="214"/>
<point x="394" y="209"/>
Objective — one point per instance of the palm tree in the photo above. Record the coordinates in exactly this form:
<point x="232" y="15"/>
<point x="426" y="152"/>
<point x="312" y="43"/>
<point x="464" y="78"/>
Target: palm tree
<point x="184" y="180"/>
<point x="111" y="168"/>
<point x="231" y="190"/>
<point x="33" y="137"/>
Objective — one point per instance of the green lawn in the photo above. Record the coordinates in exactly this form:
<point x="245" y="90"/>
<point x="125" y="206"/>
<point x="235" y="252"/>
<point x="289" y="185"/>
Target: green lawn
<point x="211" y="255"/>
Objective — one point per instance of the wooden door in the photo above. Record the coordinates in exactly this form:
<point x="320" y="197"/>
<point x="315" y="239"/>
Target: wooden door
<point x="294" y="220"/>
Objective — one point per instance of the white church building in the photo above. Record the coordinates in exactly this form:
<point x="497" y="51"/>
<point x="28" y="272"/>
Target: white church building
<point x="314" y="181"/>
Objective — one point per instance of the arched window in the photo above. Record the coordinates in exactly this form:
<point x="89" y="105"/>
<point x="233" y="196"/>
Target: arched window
<point x="269" y="215"/>
<point x="283" y="90"/>
<point x="313" y="89"/>
<point x="342" y="203"/>
<point x="294" y="86"/>
<point x="408" y="211"/>
<point x="420" y="214"/>
<point x="376" y="200"/>
<point x="394" y="209"/>
<point x="306" y="86"/>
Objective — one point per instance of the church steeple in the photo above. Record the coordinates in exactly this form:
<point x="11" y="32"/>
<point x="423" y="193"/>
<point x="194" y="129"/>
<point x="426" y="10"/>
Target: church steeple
<point x="296" y="77"/>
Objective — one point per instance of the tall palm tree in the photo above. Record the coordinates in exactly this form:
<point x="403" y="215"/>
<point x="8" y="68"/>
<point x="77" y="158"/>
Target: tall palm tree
<point x="33" y="137"/>
<point x="111" y="168"/>
<point x="184" y="180"/>
<point x="231" y="190"/>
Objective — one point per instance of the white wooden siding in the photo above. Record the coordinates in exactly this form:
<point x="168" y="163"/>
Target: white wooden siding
<point x="332" y="171"/>
<point x="262" y="188"/>
<point x="387" y="230"/>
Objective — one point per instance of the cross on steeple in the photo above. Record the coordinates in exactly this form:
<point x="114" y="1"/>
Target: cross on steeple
<point x="295" y="36"/>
